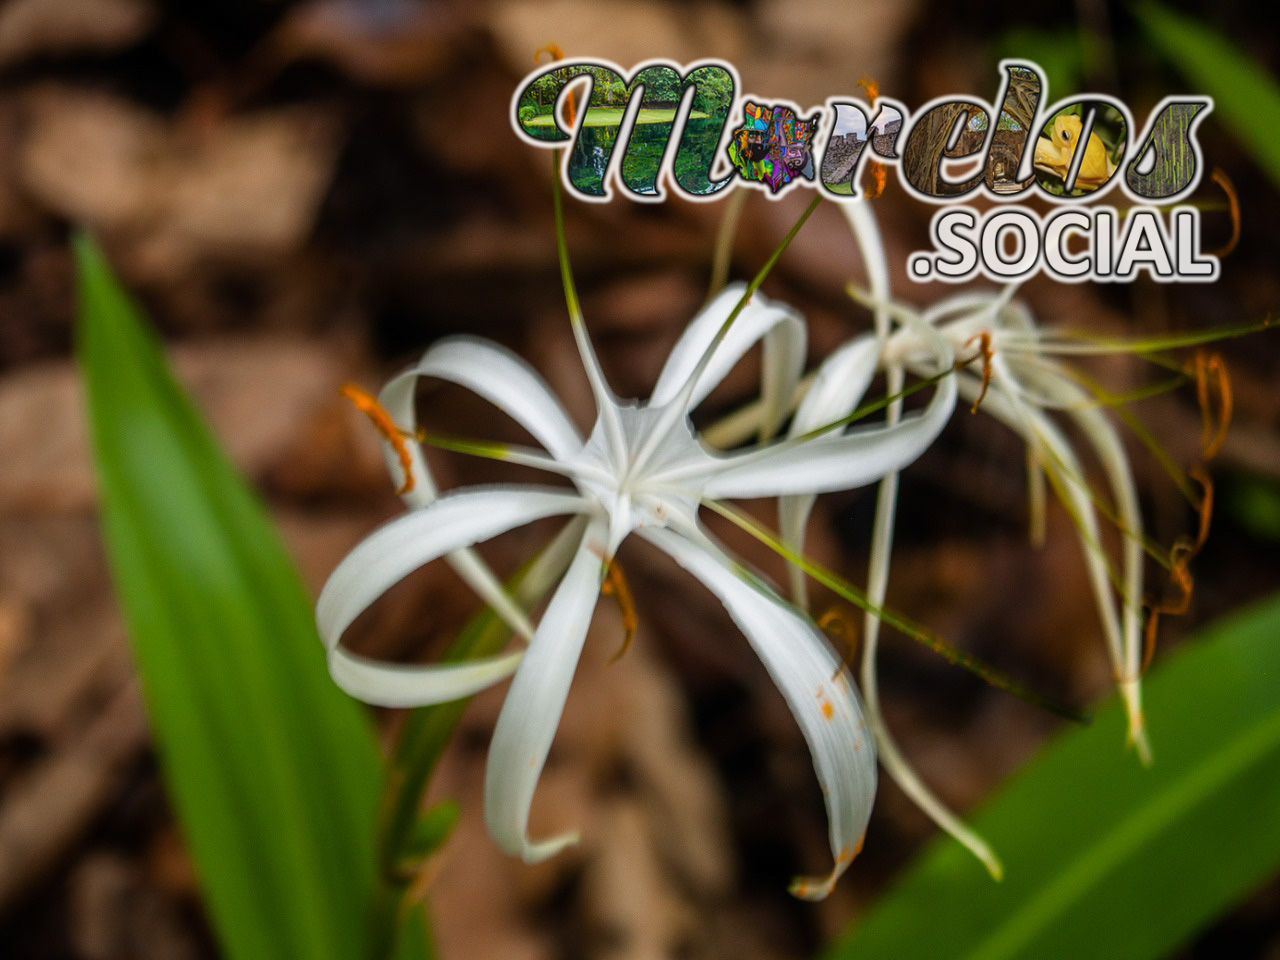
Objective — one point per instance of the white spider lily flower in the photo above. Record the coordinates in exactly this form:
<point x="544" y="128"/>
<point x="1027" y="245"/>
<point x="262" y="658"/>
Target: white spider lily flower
<point x="642" y="470"/>
<point x="1025" y="383"/>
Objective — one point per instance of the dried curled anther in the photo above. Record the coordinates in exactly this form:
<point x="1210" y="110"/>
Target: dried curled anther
<point x="984" y="351"/>
<point x="1211" y="376"/>
<point x="615" y="585"/>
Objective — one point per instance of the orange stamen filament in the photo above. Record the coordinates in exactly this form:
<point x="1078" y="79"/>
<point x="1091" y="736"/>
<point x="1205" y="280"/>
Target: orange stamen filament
<point x="615" y="585"/>
<point x="368" y="404"/>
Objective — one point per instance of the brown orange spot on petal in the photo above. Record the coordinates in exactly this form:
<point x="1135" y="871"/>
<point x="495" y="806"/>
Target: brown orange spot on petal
<point x="828" y="710"/>
<point x="368" y="404"/>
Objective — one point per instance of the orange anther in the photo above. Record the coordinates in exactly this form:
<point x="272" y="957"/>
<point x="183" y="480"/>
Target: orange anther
<point x="368" y="404"/>
<point x="879" y="177"/>
<point x="552" y="50"/>
<point x="984" y="351"/>
<point x="615" y="585"/>
<point x="1180" y="557"/>
<point x="555" y="52"/>
<point x="1179" y="572"/>
<point x="1211" y="372"/>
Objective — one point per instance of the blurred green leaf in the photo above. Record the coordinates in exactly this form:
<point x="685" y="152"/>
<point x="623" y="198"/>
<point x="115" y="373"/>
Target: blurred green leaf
<point x="1104" y="858"/>
<point x="422" y="741"/>
<point x="415" y="941"/>
<point x="1246" y="98"/>
<point x="273" y="771"/>
<point x="432" y="829"/>
<point x="1255" y="503"/>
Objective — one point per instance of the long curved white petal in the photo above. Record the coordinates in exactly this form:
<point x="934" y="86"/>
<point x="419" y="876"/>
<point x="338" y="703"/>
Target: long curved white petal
<point x="532" y="710"/>
<point x="784" y="344"/>
<point x="1059" y="460"/>
<point x="866" y="234"/>
<point x="505" y="380"/>
<point x="396" y="685"/>
<point x="404" y="685"/>
<point x="841" y="382"/>
<point x="498" y="375"/>
<point x="850" y="460"/>
<point x="1104" y="439"/>
<point x="802" y="664"/>
<point x="390" y="553"/>
<point x="838" y="387"/>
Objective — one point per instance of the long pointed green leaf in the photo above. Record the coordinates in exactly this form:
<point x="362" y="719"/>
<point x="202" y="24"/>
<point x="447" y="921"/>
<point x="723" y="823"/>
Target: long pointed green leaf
<point x="273" y="771"/>
<point x="1246" y="98"/>
<point x="1103" y="857"/>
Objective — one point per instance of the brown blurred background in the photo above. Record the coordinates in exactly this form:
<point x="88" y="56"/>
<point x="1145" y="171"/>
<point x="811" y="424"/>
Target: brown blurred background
<point x="307" y="193"/>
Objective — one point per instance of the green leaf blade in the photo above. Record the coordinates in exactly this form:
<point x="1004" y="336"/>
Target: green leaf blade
<point x="1104" y="858"/>
<point x="273" y="771"/>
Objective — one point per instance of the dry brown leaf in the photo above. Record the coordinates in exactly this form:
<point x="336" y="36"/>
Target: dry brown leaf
<point x="31" y="28"/>
<point x="264" y="399"/>
<point x="390" y="43"/>
<point x="48" y="809"/>
<point x="241" y="188"/>
<point x="625" y="32"/>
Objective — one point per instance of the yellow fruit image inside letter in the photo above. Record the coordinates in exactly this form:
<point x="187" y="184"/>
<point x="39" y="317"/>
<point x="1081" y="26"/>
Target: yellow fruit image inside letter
<point x="1055" y="155"/>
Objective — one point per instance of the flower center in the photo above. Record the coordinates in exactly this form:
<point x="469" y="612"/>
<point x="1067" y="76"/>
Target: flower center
<point x="622" y="469"/>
